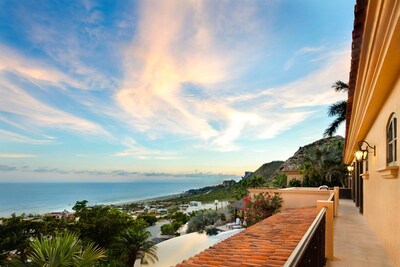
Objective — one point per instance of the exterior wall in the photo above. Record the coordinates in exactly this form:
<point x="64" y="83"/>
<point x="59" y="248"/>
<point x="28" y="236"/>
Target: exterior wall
<point x="376" y="96"/>
<point x="382" y="195"/>
<point x="296" y="197"/>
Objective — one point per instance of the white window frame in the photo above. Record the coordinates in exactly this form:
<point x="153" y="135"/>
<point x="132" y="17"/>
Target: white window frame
<point x="391" y="141"/>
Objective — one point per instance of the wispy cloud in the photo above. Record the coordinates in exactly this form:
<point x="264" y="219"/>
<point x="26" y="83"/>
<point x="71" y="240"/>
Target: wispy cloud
<point x="179" y="61"/>
<point x="32" y="69"/>
<point x="134" y="150"/>
<point x="14" y="137"/>
<point x="179" y="45"/>
<point x="16" y="155"/>
<point x="155" y="91"/>
<point x="307" y="50"/>
<point x="26" y="109"/>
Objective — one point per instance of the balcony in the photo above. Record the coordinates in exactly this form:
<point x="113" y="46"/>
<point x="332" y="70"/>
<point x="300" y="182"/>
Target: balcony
<point x="354" y="242"/>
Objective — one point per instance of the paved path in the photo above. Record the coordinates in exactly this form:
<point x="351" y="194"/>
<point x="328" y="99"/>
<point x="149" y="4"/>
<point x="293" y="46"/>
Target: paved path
<point x="355" y="243"/>
<point x="155" y="230"/>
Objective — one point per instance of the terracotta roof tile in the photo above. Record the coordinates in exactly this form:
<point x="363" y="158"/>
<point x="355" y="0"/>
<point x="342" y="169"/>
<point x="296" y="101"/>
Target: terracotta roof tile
<point x="267" y="243"/>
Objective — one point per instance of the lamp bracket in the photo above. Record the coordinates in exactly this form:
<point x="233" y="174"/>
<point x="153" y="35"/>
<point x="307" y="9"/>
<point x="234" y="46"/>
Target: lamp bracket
<point x="368" y="145"/>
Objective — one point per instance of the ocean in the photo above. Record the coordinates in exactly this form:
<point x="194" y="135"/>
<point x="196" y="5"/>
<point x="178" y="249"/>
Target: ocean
<point x="38" y="198"/>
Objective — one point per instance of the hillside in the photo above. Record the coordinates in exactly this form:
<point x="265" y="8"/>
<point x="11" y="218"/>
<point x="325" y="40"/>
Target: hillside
<point x="267" y="170"/>
<point x="303" y="153"/>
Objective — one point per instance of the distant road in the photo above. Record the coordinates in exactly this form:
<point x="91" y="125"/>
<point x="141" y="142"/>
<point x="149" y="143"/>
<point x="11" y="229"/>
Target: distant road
<point x="155" y="230"/>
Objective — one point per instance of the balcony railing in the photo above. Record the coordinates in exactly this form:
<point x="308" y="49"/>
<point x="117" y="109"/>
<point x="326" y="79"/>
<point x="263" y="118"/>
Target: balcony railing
<point x="311" y="249"/>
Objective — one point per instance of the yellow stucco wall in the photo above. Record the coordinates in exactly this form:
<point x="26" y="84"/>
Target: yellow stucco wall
<point x="376" y="96"/>
<point x="382" y="196"/>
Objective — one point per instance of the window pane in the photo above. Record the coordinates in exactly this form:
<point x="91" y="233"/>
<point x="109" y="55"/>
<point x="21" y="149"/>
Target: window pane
<point x="395" y="150"/>
<point x="395" y="127"/>
<point x="390" y="153"/>
<point x="390" y="136"/>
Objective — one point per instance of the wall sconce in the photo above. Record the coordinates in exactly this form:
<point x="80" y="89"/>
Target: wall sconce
<point x="362" y="154"/>
<point x="350" y="168"/>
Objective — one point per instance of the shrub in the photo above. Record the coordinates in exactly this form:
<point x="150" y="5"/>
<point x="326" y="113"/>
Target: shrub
<point x="167" y="229"/>
<point x="149" y="219"/>
<point x="280" y="181"/>
<point x="202" y="219"/>
<point x="260" y="207"/>
<point x="179" y="217"/>
<point x="295" y="183"/>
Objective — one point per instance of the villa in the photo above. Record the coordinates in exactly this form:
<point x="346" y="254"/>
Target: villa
<point x="315" y="228"/>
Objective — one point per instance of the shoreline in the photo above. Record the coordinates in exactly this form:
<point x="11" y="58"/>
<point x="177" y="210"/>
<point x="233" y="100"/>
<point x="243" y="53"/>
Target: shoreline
<point x="147" y="200"/>
<point x="52" y="206"/>
<point x="117" y="204"/>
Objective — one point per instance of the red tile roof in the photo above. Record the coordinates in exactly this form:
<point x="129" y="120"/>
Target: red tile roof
<point x="267" y="243"/>
<point x="360" y="10"/>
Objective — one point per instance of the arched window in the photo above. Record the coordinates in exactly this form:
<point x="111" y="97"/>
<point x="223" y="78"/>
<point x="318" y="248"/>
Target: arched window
<point x="392" y="140"/>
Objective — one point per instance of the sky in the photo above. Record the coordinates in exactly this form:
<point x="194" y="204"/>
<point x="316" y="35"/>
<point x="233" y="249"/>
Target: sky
<point x="130" y="90"/>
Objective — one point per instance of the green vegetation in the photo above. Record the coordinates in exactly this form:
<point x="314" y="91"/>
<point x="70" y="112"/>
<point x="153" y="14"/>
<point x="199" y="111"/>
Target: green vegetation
<point x="295" y="183"/>
<point x="324" y="166"/>
<point x="178" y="217"/>
<point x="207" y="194"/>
<point x="337" y="109"/>
<point x="268" y="170"/>
<point x="17" y="231"/>
<point x="177" y="220"/>
<point x="260" y="207"/>
<point x="148" y="218"/>
<point x="202" y="219"/>
<point x="279" y="181"/>
<point x="56" y="242"/>
<point x="64" y="249"/>
<point x="133" y="244"/>
<point x="101" y="224"/>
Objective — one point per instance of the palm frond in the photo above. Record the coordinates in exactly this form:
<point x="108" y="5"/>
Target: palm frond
<point x="340" y="86"/>
<point x="338" y="109"/>
<point x="133" y="244"/>
<point x="331" y="130"/>
<point x="63" y="250"/>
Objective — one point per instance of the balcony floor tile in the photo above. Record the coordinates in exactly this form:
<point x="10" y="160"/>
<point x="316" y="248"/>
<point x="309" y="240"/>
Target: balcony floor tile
<point x="355" y="244"/>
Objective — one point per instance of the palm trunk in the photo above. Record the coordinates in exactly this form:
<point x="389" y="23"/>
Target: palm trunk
<point x="132" y="259"/>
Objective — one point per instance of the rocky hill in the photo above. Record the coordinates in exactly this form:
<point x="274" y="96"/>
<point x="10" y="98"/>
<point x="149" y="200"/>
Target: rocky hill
<point x="302" y="154"/>
<point x="268" y="170"/>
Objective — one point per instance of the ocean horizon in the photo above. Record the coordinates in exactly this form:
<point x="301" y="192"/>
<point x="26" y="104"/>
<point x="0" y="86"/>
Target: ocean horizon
<point x="44" y="197"/>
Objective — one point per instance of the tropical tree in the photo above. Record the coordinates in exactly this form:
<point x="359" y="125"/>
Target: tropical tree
<point x="61" y="251"/>
<point x="280" y="180"/>
<point x="100" y="224"/>
<point x="133" y="244"/>
<point x="337" y="109"/>
<point x="17" y="231"/>
<point x="324" y="165"/>
<point x="240" y="190"/>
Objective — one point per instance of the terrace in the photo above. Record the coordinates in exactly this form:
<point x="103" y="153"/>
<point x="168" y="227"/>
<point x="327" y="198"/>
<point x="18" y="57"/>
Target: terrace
<point x="314" y="230"/>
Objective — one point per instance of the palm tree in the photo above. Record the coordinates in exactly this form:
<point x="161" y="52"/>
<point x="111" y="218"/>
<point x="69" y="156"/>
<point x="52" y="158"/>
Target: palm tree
<point x="133" y="244"/>
<point x="337" y="109"/>
<point x="61" y="251"/>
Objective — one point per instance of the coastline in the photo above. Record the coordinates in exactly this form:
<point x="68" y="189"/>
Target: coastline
<point x="116" y="203"/>
<point x="147" y="200"/>
<point x="42" y="198"/>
